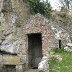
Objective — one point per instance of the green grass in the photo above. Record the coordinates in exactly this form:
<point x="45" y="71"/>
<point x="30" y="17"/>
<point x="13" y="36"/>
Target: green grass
<point x="65" y="65"/>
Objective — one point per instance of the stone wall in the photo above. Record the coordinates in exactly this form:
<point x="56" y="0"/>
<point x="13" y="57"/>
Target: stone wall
<point x="15" y="24"/>
<point x="13" y="13"/>
<point x="39" y="24"/>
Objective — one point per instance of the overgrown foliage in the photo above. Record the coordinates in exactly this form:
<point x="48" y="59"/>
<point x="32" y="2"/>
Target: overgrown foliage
<point x="65" y="65"/>
<point x="43" y="8"/>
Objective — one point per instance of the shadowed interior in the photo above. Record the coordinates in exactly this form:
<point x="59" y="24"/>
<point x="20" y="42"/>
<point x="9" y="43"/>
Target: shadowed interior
<point x="34" y="49"/>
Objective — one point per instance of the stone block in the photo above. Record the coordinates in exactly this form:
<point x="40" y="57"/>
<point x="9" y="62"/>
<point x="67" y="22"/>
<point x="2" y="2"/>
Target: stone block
<point x="19" y="68"/>
<point x="11" y="60"/>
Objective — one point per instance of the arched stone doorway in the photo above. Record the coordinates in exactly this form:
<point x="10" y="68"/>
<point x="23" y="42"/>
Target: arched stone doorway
<point x="34" y="49"/>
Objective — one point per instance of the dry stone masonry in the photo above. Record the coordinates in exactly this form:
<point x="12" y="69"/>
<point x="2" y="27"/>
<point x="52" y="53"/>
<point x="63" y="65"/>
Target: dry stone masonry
<point x="26" y="40"/>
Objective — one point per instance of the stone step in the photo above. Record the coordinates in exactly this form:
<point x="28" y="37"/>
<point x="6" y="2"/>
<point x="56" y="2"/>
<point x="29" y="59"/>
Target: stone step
<point x="32" y="70"/>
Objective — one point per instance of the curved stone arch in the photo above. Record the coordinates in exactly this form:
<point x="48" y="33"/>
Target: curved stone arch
<point x="39" y="24"/>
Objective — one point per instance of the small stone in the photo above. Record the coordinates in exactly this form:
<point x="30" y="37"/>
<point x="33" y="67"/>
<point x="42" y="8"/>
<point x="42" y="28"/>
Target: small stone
<point x="67" y="48"/>
<point x="44" y="65"/>
<point x="59" y="58"/>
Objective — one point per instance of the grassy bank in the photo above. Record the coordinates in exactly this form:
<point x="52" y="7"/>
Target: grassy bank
<point x="63" y="66"/>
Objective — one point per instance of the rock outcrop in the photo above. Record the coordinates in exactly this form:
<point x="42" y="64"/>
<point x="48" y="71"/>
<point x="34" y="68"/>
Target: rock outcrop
<point x="44" y="65"/>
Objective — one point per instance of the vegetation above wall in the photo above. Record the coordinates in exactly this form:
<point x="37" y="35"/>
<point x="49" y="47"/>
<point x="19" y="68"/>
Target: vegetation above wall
<point x="36" y="6"/>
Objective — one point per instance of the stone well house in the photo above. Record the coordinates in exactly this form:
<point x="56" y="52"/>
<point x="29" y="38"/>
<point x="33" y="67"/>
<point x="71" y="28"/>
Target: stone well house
<point x="39" y="39"/>
<point x="24" y="39"/>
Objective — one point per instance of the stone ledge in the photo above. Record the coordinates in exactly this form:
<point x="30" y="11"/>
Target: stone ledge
<point x="10" y="60"/>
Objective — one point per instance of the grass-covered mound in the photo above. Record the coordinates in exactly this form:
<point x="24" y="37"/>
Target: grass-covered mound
<point x="61" y="66"/>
